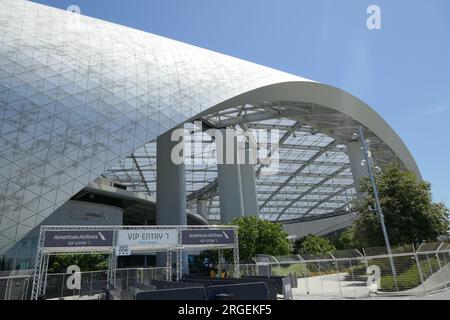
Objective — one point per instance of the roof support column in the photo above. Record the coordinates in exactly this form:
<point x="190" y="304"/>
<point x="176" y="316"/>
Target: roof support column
<point x="229" y="176"/>
<point x="202" y="208"/>
<point x="248" y="181"/>
<point x="356" y="157"/>
<point x="170" y="186"/>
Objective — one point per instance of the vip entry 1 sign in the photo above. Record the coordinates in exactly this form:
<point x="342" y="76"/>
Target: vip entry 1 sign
<point x="148" y="238"/>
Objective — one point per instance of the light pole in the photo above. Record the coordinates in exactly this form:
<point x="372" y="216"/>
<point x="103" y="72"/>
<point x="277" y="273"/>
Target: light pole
<point x="369" y="163"/>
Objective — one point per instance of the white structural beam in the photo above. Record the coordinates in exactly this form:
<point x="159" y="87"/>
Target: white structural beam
<point x="141" y="174"/>
<point x="298" y="171"/>
<point x="280" y="143"/>
<point x="202" y="207"/>
<point x="310" y="190"/>
<point x="327" y="200"/>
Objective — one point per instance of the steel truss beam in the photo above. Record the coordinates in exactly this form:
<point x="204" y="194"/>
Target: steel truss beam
<point x="245" y="117"/>
<point x="295" y="185"/>
<point x="298" y="171"/>
<point x="294" y="192"/>
<point x="310" y="190"/>
<point x="280" y="144"/>
<point x="329" y="208"/>
<point x="328" y="199"/>
<point x="141" y="174"/>
<point x="258" y="116"/>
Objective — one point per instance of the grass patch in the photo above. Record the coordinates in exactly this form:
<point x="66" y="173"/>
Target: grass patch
<point x="410" y="278"/>
<point x="310" y="270"/>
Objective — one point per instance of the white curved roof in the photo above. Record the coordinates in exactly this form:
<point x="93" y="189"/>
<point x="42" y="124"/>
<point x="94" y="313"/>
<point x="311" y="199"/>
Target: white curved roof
<point x="79" y="94"/>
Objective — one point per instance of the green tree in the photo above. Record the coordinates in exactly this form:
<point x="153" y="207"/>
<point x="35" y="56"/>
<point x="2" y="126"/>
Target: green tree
<point x="410" y="214"/>
<point x="258" y="236"/>
<point x="86" y="262"/>
<point x="346" y="240"/>
<point x="312" y="244"/>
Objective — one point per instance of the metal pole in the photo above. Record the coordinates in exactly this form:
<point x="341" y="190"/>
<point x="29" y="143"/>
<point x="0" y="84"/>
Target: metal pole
<point x="219" y="263"/>
<point x="429" y="265"/>
<point x="445" y="263"/>
<point x="440" y="266"/>
<point x="45" y="265"/>
<point x="353" y="276"/>
<point x="90" y="286"/>
<point x="305" y="273"/>
<point x="420" y="270"/>
<point x="179" y="264"/>
<point x="127" y="279"/>
<point x="378" y="209"/>
<point x="306" y="277"/>
<point x="236" y="261"/>
<point x="37" y="275"/>
<point x="337" y="274"/>
<point x="320" y="276"/>
<point x="27" y="284"/>
<point x="63" y="285"/>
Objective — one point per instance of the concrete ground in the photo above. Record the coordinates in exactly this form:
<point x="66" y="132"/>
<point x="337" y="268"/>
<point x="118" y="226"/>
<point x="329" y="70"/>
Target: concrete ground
<point x="336" y="287"/>
<point x="330" y="286"/>
<point x="443" y="295"/>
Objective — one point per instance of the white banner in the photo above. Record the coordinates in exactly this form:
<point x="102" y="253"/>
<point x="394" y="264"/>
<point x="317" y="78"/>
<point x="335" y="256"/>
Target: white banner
<point x="148" y="238"/>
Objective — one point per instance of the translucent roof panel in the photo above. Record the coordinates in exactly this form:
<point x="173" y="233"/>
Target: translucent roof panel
<point x="313" y="176"/>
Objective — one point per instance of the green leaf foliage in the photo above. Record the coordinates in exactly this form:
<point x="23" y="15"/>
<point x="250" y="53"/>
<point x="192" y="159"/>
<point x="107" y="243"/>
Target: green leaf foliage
<point x="86" y="262"/>
<point x="312" y="244"/>
<point x="258" y="236"/>
<point x="410" y="214"/>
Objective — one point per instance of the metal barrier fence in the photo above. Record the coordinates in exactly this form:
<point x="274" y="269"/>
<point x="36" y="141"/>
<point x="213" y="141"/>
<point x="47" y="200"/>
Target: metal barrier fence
<point x="91" y="283"/>
<point x="344" y="273"/>
<point x="244" y="270"/>
<point x="15" y="287"/>
<point x="355" y="274"/>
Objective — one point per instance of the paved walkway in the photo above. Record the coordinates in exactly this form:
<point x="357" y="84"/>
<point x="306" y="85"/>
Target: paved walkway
<point x="336" y="287"/>
<point x="330" y="286"/>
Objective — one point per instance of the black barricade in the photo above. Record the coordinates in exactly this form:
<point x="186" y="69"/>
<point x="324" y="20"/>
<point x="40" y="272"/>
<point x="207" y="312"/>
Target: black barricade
<point x="244" y="291"/>
<point x="195" y="293"/>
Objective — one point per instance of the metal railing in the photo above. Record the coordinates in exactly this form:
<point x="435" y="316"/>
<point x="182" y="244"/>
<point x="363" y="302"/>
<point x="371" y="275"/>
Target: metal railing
<point x="91" y="283"/>
<point x="344" y="273"/>
<point x="355" y="274"/>
<point x="15" y="287"/>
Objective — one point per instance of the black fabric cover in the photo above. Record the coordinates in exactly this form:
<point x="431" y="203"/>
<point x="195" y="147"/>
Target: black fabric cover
<point x="194" y="293"/>
<point x="242" y="291"/>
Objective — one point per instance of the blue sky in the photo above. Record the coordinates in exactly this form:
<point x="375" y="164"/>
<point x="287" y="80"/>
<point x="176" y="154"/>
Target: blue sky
<point x="402" y="70"/>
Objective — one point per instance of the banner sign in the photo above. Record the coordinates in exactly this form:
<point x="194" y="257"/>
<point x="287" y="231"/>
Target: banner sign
<point x="205" y="237"/>
<point x="148" y="237"/>
<point x="59" y="239"/>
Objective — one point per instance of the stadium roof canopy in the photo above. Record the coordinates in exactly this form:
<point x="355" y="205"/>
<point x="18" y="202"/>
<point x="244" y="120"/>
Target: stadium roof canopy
<point x="82" y="97"/>
<point x="314" y="176"/>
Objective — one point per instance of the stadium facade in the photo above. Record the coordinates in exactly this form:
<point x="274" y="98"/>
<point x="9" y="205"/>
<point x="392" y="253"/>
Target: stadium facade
<point x="85" y="108"/>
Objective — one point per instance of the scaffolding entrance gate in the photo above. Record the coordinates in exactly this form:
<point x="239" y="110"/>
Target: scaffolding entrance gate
<point x="128" y="240"/>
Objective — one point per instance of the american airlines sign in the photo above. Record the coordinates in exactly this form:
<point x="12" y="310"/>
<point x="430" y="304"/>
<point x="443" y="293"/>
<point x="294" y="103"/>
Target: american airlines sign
<point x="207" y="237"/>
<point x="59" y="239"/>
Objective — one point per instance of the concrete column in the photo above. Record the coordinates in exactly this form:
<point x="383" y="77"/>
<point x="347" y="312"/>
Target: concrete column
<point x="356" y="157"/>
<point x="170" y="184"/>
<point x="249" y="196"/>
<point x="230" y="192"/>
<point x="170" y="190"/>
<point x="202" y="208"/>
<point x="229" y="177"/>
